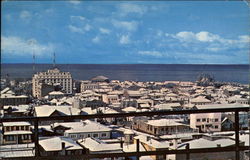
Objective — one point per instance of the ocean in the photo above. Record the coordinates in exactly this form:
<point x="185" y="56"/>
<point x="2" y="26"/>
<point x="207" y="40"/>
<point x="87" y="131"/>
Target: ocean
<point x="135" y="72"/>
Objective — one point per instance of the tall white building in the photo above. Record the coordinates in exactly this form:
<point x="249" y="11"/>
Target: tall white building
<point x="52" y="76"/>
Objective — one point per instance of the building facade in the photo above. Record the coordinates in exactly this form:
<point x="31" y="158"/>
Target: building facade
<point x="52" y="76"/>
<point x="206" y="122"/>
<point x="16" y="133"/>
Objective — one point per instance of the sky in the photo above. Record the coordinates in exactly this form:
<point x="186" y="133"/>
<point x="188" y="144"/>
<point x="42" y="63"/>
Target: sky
<point x="125" y="32"/>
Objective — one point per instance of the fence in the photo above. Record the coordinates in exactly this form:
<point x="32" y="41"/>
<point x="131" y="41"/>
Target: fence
<point x="236" y="148"/>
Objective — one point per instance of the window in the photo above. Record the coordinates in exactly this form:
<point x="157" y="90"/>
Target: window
<point x="216" y="127"/>
<point x="198" y="120"/>
<point x="73" y="136"/>
<point x="89" y="135"/>
<point x="95" y="135"/>
<point x="203" y="119"/>
<point x="10" y="138"/>
<point x="104" y="135"/>
<point x="216" y="120"/>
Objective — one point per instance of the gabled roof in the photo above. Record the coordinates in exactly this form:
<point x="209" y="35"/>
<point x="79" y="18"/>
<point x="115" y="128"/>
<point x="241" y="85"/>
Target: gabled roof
<point x="55" y="144"/>
<point x="46" y="111"/>
<point x="96" y="145"/>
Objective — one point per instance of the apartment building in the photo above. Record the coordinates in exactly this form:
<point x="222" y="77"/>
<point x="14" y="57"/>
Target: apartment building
<point x="15" y="133"/>
<point x="206" y="122"/>
<point x="159" y="127"/>
<point x="52" y="76"/>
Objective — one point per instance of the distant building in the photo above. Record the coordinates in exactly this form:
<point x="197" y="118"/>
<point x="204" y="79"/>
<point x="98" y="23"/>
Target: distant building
<point x="59" y="146"/>
<point x="15" y="133"/>
<point x="161" y="126"/>
<point x="206" y="122"/>
<point x="53" y="111"/>
<point x="87" y="85"/>
<point x="80" y="130"/>
<point x="52" y="76"/>
<point x="100" y="79"/>
<point x="8" y="97"/>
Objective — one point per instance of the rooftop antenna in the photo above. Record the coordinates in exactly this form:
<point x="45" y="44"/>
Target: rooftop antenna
<point x="34" y="61"/>
<point x="54" y="60"/>
<point x="32" y="42"/>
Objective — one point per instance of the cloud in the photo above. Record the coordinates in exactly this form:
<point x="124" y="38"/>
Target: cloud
<point x="76" y="29"/>
<point x="104" y="30"/>
<point x="81" y="30"/>
<point x="202" y="36"/>
<point x="127" y="25"/>
<point x="207" y="37"/>
<point x="25" y="15"/>
<point x="96" y="39"/>
<point x="77" y="17"/>
<point x="151" y="53"/>
<point x="125" y="39"/>
<point x="127" y="8"/>
<point x="19" y="46"/>
<point x="87" y="27"/>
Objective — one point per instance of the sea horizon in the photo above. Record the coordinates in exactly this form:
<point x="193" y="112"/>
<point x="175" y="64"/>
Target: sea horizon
<point x="238" y="73"/>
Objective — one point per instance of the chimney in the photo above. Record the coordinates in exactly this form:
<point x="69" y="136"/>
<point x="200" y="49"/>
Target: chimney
<point x="121" y="143"/>
<point x="63" y="148"/>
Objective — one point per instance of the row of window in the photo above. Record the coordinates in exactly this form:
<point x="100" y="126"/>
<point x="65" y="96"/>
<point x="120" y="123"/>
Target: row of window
<point x="16" y="128"/>
<point x="85" y="135"/>
<point x="207" y="119"/>
<point x="14" y="137"/>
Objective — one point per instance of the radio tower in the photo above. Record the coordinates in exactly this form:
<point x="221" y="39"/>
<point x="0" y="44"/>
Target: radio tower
<point x="54" y="60"/>
<point x="34" y="62"/>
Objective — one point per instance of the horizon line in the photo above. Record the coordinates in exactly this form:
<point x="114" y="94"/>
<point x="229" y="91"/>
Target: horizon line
<point x="135" y="63"/>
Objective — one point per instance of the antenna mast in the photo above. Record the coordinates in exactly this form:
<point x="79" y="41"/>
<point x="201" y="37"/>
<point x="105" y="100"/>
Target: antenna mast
<point x="34" y="61"/>
<point x="54" y="60"/>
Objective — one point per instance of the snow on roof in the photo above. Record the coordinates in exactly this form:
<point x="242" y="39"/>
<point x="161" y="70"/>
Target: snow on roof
<point x="96" y="145"/>
<point x="132" y="147"/>
<point x="202" y="142"/>
<point x="56" y="93"/>
<point x="200" y="99"/>
<point x="164" y="122"/>
<point x="16" y="124"/>
<point x="17" y="150"/>
<point x="152" y="142"/>
<point x="45" y="111"/>
<point x="214" y="106"/>
<point x="129" y="109"/>
<point x="55" y="144"/>
<point x="84" y="126"/>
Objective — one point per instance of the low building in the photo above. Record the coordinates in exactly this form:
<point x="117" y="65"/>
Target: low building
<point x="200" y="100"/>
<point x="52" y="111"/>
<point x="206" y="122"/>
<point x="59" y="146"/>
<point x="84" y="129"/>
<point x="8" y="97"/>
<point x="160" y="127"/>
<point x="209" y="143"/>
<point x="16" y="133"/>
<point x="96" y="146"/>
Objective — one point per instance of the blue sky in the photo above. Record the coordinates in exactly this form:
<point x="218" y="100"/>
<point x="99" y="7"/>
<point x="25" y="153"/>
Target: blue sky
<point x="126" y="32"/>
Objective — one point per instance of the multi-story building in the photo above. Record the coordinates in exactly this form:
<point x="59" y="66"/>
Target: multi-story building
<point x="87" y="85"/>
<point x="159" y="127"/>
<point x="206" y="122"/>
<point x="15" y="133"/>
<point x="52" y="76"/>
<point x="9" y="98"/>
